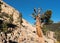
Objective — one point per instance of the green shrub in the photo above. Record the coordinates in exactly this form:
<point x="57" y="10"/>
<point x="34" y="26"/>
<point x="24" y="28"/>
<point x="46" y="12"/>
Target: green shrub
<point x="5" y="29"/>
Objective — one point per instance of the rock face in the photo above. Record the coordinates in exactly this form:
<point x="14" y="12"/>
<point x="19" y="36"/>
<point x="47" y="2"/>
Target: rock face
<point x="16" y="32"/>
<point x="24" y="33"/>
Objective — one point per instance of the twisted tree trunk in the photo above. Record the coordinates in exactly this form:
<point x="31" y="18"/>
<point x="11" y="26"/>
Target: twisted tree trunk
<point x="39" y="29"/>
<point x="38" y="26"/>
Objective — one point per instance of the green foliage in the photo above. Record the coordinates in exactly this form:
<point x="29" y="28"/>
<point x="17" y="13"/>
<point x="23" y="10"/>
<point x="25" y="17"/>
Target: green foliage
<point x="57" y="35"/>
<point x="46" y="17"/>
<point x="45" y="29"/>
<point x="50" y="21"/>
<point x="48" y="13"/>
<point x="4" y="27"/>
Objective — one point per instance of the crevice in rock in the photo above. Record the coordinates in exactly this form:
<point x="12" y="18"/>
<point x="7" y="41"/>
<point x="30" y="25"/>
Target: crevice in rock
<point x="11" y="25"/>
<point x="10" y="41"/>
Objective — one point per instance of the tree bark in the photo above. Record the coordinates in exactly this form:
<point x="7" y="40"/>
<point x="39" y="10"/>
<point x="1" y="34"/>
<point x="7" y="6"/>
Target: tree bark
<point x="38" y="26"/>
<point x="39" y="29"/>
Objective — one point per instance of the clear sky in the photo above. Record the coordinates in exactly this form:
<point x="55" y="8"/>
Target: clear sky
<point x="26" y="7"/>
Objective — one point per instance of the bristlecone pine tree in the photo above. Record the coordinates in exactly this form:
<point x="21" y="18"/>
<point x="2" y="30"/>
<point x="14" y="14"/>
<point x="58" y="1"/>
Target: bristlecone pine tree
<point x="41" y="19"/>
<point x="36" y="16"/>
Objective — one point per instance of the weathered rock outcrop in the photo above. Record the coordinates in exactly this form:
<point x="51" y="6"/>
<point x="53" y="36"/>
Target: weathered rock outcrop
<point x="24" y="33"/>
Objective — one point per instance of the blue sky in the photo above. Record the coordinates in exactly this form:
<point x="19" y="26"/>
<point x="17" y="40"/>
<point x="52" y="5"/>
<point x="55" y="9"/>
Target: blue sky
<point x="26" y="7"/>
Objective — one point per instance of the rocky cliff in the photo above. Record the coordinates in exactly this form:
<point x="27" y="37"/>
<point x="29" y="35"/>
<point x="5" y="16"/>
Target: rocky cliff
<point x="12" y="30"/>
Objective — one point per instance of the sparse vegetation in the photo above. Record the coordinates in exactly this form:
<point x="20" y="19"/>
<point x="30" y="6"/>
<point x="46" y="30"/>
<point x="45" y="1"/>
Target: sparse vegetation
<point x="5" y="25"/>
<point x="53" y="27"/>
